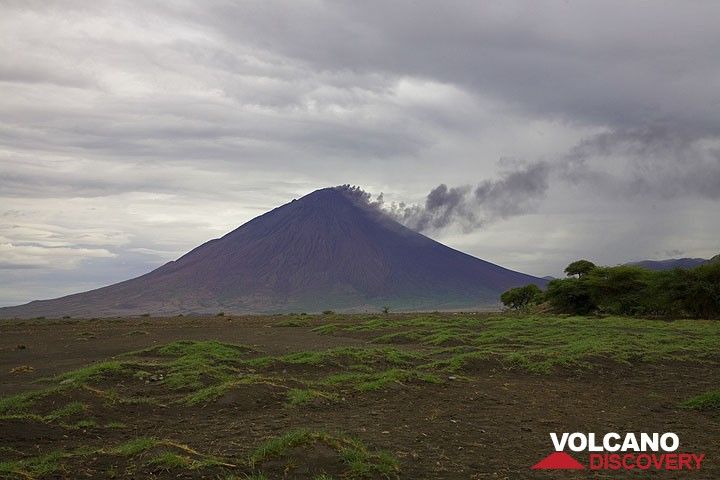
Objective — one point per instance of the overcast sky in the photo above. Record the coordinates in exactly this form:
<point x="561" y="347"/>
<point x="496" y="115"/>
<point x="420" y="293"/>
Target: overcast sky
<point x="130" y="133"/>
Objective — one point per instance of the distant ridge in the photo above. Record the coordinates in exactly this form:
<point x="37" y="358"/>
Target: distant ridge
<point x="670" y="264"/>
<point x="327" y="250"/>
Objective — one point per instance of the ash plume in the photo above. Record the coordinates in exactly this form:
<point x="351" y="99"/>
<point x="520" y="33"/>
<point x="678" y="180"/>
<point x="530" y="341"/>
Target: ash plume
<point x="516" y="192"/>
<point x="649" y="163"/>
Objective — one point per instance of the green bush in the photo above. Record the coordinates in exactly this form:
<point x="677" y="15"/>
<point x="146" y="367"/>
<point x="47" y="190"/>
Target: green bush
<point x="628" y="290"/>
<point x="521" y="297"/>
<point x="570" y="296"/>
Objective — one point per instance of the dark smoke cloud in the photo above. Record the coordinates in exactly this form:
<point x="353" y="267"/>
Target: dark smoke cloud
<point x="516" y="192"/>
<point x="442" y="207"/>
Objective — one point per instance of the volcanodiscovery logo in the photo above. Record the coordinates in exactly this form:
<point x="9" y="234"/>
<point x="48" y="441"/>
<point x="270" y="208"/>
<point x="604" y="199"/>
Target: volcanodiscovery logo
<point x="613" y="451"/>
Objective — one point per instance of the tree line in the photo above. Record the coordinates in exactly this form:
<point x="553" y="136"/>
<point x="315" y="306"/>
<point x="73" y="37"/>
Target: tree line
<point x="627" y="290"/>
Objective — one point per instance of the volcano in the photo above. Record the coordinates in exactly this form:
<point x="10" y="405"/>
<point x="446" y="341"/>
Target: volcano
<point x="326" y="250"/>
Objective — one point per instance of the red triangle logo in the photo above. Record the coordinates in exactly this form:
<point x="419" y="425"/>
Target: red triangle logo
<point x="558" y="461"/>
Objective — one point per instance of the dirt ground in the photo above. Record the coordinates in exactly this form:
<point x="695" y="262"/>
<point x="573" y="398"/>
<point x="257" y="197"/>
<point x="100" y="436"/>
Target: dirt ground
<point x="491" y="422"/>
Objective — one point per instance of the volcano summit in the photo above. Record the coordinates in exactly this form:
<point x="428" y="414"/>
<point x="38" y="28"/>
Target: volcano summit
<point x="327" y="250"/>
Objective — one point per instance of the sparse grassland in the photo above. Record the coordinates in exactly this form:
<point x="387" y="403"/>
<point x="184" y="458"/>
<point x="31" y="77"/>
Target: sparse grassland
<point x="416" y="393"/>
<point x="540" y="343"/>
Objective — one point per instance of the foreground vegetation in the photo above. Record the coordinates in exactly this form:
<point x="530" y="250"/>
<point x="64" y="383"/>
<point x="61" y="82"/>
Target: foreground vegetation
<point x="627" y="290"/>
<point x="392" y="353"/>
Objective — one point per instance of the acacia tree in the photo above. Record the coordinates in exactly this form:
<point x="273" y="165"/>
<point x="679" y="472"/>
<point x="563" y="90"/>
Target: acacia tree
<point x="579" y="268"/>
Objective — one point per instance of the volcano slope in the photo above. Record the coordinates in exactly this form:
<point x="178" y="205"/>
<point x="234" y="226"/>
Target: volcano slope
<point x="411" y="396"/>
<point x="326" y="251"/>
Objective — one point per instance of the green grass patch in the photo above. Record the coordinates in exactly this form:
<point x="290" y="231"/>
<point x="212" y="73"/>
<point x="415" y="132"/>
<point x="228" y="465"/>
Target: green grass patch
<point x="87" y="423"/>
<point x="170" y="460"/>
<point x="367" y="382"/>
<point x="92" y="372"/>
<point x="51" y="464"/>
<point x="326" y="329"/>
<point x="72" y="408"/>
<point x="133" y="447"/>
<point x="208" y="394"/>
<point x="341" y="355"/>
<point x="540" y="343"/>
<point x="361" y="462"/>
<point x="196" y="361"/>
<point x="303" y="396"/>
<point x="371" y="325"/>
<point x="407" y="336"/>
<point x="278" y="445"/>
<point x="706" y="401"/>
<point x="365" y="464"/>
<point x="20" y="402"/>
<point x="209" y="349"/>
<point x="40" y="466"/>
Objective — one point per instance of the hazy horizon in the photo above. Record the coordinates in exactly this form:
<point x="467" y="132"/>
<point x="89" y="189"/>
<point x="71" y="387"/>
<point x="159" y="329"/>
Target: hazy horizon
<point x="525" y="134"/>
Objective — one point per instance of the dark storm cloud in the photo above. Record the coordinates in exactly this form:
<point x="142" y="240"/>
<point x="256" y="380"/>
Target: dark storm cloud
<point x="600" y="62"/>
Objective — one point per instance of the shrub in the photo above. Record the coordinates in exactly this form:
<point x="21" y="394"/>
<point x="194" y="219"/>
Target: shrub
<point x="521" y="297"/>
<point x="570" y="296"/>
<point x="633" y="290"/>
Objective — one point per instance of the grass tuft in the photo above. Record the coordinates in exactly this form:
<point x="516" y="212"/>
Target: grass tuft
<point x="92" y="372"/>
<point x="169" y="460"/>
<point x="133" y="447"/>
<point x="72" y="408"/>
<point x="275" y="446"/>
<point x="706" y="401"/>
<point x="368" y="382"/>
<point x="41" y="466"/>
<point x="20" y="403"/>
<point x="325" y="329"/>
<point x="360" y="461"/>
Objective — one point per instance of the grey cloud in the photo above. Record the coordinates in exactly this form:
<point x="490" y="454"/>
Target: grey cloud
<point x="579" y="61"/>
<point x="658" y="161"/>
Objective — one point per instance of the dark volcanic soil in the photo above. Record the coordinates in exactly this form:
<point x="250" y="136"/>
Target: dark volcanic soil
<point x="490" y="423"/>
